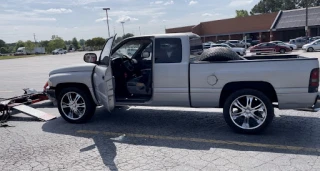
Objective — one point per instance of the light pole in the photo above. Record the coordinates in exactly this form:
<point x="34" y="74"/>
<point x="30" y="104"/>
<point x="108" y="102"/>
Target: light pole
<point x="307" y="30"/>
<point x="122" y="22"/>
<point x="107" y="19"/>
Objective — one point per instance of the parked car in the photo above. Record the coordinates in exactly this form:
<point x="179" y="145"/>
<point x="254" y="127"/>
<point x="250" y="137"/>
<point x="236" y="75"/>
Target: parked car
<point x="299" y="42"/>
<point x="292" y="46"/>
<point x="252" y="42"/>
<point x="314" y="38"/>
<point x="59" y="51"/>
<point x="239" y="51"/>
<point x="313" y="46"/>
<point x="221" y="41"/>
<point x="206" y="45"/>
<point x="269" y="48"/>
<point x="246" y="89"/>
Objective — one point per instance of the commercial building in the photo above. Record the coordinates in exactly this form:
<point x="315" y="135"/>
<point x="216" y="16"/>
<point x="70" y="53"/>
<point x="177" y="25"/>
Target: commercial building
<point x="282" y="25"/>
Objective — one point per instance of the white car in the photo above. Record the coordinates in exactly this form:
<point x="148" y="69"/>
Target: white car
<point x="59" y="51"/>
<point x="291" y="46"/>
<point x="313" y="46"/>
<point x="239" y="51"/>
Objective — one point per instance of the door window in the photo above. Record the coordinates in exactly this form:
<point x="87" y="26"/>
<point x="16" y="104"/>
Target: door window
<point x="104" y="57"/>
<point x="168" y="50"/>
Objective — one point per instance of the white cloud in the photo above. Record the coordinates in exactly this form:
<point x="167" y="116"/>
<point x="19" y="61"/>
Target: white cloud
<point x="169" y="3"/>
<point x="193" y="2"/>
<point x="206" y="15"/>
<point x="126" y="19"/>
<point x="103" y="19"/>
<point x="158" y="2"/>
<point x="236" y="3"/>
<point x="140" y="12"/>
<point x="84" y="2"/>
<point x="54" y="11"/>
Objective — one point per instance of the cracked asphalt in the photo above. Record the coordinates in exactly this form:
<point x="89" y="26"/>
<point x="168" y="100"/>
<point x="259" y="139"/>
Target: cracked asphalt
<point x="146" y="138"/>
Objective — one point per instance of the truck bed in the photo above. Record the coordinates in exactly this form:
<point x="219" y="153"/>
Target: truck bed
<point x="288" y="74"/>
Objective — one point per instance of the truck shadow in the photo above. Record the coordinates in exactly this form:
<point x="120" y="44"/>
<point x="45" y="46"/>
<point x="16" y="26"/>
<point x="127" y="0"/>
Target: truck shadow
<point x="199" y="130"/>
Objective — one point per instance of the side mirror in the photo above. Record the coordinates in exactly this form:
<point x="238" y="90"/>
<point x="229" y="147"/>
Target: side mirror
<point x="146" y="54"/>
<point x="90" y="58"/>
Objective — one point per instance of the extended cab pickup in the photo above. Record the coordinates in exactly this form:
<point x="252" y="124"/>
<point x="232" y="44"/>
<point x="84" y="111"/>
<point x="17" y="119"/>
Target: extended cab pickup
<point x="174" y="70"/>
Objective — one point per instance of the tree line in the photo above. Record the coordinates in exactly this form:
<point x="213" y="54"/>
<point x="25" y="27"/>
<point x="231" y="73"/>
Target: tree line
<point x="57" y="42"/>
<point x="269" y="6"/>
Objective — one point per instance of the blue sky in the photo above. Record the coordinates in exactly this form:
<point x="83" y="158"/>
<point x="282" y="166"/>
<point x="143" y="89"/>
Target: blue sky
<point x="20" y="19"/>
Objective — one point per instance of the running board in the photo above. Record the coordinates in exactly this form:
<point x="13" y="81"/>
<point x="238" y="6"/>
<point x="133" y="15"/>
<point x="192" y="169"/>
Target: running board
<point x="34" y="112"/>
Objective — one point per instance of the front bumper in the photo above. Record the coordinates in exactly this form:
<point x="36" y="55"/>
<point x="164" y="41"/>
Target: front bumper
<point x="51" y="93"/>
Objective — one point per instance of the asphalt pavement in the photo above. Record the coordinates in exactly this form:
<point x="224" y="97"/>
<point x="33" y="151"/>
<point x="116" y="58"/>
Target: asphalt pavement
<point x="146" y="138"/>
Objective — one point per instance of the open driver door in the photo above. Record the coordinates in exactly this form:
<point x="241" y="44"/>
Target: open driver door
<point x="103" y="78"/>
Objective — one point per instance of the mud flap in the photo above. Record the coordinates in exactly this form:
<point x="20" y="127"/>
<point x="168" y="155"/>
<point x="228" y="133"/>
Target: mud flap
<point x="34" y="112"/>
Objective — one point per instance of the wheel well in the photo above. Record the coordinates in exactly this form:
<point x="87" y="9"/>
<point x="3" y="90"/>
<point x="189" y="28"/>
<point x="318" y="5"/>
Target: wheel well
<point x="60" y="86"/>
<point x="264" y="87"/>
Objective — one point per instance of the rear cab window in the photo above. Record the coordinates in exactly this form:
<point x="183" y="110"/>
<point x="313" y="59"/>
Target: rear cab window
<point x="168" y="50"/>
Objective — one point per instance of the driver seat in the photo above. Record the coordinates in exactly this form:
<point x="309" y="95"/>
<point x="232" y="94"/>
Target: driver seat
<point x="141" y="85"/>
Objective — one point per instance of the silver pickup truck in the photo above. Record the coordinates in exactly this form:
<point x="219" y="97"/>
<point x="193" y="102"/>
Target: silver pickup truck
<point x="175" y="70"/>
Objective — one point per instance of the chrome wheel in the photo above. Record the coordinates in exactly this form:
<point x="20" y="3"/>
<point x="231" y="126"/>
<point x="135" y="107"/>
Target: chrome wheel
<point x="248" y="112"/>
<point x="73" y="105"/>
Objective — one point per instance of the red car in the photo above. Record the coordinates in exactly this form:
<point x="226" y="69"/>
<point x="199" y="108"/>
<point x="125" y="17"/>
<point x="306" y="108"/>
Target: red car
<point x="269" y="48"/>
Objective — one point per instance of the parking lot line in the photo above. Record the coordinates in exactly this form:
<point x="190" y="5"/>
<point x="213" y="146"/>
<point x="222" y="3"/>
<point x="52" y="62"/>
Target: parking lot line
<point x="272" y="146"/>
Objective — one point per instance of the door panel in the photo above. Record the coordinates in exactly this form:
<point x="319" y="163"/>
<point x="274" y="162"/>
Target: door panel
<point x="103" y="79"/>
<point x="170" y="73"/>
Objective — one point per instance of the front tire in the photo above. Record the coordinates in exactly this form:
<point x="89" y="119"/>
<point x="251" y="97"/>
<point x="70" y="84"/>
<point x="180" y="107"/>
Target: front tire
<point x="282" y="51"/>
<point x="75" y="105"/>
<point x="310" y="49"/>
<point x="248" y="111"/>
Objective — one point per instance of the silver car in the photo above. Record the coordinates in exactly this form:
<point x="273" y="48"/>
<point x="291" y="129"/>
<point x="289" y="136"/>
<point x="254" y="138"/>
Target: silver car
<point x="313" y="46"/>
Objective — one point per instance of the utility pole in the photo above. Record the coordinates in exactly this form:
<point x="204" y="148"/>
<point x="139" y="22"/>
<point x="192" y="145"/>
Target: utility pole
<point x="107" y="19"/>
<point x="307" y="5"/>
<point x="139" y="31"/>
<point x="122" y="22"/>
<point x="35" y="41"/>
<point x="114" y="30"/>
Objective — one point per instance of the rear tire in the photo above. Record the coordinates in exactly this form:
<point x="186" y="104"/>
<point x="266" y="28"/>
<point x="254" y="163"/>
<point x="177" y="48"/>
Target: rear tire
<point x="72" y="110"/>
<point x="248" y="120"/>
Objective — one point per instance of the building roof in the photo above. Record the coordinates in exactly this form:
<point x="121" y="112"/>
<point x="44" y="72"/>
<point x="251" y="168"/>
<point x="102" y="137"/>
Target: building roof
<point x="180" y="29"/>
<point x="297" y="18"/>
<point x="255" y="23"/>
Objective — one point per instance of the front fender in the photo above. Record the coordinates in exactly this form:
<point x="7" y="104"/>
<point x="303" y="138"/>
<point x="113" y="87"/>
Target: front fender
<point x="73" y="77"/>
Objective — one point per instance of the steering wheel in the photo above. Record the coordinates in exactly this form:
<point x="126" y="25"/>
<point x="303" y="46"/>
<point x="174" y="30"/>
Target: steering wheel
<point x="128" y="63"/>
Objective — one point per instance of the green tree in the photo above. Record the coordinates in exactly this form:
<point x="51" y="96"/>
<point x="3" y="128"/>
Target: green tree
<point x="20" y="43"/>
<point x="127" y="35"/>
<point x="2" y="43"/>
<point x="3" y="50"/>
<point x="99" y="42"/>
<point x="56" y="43"/>
<point x="44" y="43"/>
<point x="75" y="43"/>
<point x="268" y="6"/>
<point x="82" y="42"/>
<point x="242" y="13"/>
<point x="89" y="42"/>
<point x="119" y="39"/>
<point x="29" y="46"/>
